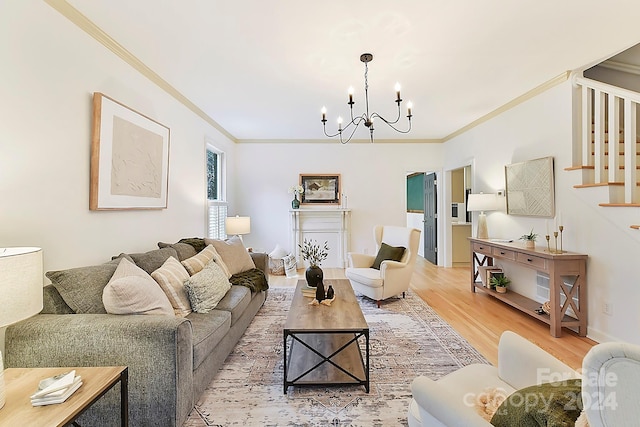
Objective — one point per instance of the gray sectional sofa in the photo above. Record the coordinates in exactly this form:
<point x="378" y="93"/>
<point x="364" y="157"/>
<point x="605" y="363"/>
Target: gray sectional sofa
<point x="171" y="359"/>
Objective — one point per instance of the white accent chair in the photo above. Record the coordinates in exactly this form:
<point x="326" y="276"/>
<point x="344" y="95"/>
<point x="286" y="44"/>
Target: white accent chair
<point x="611" y="385"/>
<point x="393" y="277"/>
<point x="450" y="401"/>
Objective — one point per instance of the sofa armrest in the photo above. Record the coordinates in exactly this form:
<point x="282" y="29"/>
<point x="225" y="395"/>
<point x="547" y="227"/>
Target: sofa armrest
<point x="261" y="260"/>
<point x="448" y="410"/>
<point x="157" y="350"/>
<point x="522" y="363"/>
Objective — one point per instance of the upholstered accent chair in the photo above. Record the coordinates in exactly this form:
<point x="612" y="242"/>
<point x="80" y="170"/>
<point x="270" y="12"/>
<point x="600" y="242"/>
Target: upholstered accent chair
<point x="388" y="273"/>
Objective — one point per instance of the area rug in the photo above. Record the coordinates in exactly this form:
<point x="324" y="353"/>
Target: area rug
<point x="407" y="339"/>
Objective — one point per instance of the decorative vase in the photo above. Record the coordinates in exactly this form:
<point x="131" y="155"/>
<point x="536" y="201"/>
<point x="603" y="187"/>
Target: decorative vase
<point x="295" y="203"/>
<point x="330" y="292"/>
<point x="320" y="292"/>
<point x="530" y="244"/>
<point x="313" y="275"/>
<point x="501" y="289"/>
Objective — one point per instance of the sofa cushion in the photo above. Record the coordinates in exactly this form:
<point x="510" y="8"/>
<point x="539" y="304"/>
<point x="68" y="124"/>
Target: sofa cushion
<point x="152" y="260"/>
<point x="52" y="302"/>
<point x="233" y="253"/>
<point x="184" y="250"/>
<point x="171" y="277"/>
<point x="198" y="262"/>
<point x="367" y="276"/>
<point x="81" y="288"/>
<point x="207" y="287"/>
<point x="235" y="301"/>
<point x="132" y="291"/>
<point x="208" y="330"/>
<point x="387" y="252"/>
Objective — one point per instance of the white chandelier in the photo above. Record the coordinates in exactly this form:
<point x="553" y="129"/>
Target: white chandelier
<point x="365" y="117"/>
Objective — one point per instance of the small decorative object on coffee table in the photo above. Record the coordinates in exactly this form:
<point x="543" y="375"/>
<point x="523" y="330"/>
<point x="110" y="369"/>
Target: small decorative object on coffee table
<point x="330" y="292"/>
<point x="312" y="252"/>
<point x="320" y="292"/>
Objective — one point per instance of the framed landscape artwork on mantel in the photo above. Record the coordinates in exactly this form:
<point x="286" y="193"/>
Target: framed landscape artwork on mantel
<point x="320" y="189"/>
<point x="129" y="158"/>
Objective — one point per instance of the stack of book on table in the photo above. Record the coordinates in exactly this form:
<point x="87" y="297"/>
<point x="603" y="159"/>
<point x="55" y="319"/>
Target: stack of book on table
<point x="56" y="389"/>
<point x="308" y="291"/>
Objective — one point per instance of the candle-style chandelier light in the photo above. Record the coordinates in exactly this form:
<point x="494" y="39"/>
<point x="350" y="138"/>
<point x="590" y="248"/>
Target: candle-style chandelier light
<point x="366" y="117"/>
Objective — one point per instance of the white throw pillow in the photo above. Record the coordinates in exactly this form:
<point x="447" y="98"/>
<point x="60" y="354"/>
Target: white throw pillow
<point x="207" y="287"/>
<point x="171" y="277"/>
<point x="132" y="291"/>
<point x="233" y="253"/>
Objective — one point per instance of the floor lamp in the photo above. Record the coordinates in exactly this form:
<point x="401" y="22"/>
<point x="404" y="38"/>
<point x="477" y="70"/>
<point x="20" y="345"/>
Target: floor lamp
<point x="20" y="291"/>
<point x="482" y="203"/>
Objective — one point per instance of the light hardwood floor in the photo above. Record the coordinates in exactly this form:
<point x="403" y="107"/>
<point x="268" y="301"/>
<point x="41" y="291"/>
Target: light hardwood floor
<point x="479" y="318"/>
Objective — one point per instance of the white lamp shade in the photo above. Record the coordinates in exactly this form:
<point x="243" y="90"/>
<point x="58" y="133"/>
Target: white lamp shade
<point x="238" y="225"/>
<point x="20" y="284"/>
<point x="482" y="202"/>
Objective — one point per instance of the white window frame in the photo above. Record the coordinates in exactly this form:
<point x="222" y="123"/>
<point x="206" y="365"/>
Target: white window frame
<point x="216" y="211"/>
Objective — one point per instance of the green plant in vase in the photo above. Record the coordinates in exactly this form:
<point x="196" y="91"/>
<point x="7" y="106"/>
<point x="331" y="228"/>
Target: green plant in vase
<point x="296" y="189"/>
<point x="529" y="239"/>
<point x="500" y="282"/>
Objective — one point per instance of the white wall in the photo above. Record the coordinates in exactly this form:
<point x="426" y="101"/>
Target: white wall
<point x="49" y="71"/>
<point x="538" y="128"/>
<point x="373" y="177"/>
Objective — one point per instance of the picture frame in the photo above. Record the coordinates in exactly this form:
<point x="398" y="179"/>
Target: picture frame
<point x="530" y="188"/>
<point x="320" y="189"/>
<point x="129" y="158"/>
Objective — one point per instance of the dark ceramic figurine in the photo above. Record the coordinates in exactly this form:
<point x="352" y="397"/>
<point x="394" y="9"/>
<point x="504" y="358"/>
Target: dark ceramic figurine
<point x="330" y="292"/>
<point x="319" y="291"/>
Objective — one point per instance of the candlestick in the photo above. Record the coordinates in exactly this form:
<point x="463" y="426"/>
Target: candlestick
<point x="561" y="228"/>
<point x="555" y="236"/>
<point x="548" y="247"/>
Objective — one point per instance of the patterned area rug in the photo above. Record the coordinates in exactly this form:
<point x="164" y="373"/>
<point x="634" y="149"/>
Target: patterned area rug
<point x="407" y="339"/>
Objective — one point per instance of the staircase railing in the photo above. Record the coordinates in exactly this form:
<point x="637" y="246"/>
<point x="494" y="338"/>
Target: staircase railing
<point x="607" y="140"/>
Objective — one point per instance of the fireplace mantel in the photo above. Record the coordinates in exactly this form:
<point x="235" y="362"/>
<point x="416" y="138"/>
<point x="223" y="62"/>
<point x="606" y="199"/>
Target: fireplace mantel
<point x="322" y="224"/>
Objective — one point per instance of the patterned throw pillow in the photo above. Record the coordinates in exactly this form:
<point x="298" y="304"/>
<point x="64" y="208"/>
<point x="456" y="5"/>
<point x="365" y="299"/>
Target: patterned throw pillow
<point x="207" y="287"/>
<point x="171" y="277"/>
<point x="197" y="262"/>
<point x="132" y="291"/>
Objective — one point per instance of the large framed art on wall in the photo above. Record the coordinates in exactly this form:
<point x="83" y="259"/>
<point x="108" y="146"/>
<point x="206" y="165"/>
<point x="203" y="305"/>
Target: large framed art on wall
<point x="530" y="188"/>
<point x="129" y="158"/>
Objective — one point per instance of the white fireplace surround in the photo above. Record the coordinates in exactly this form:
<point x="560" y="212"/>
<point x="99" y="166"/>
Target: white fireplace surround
<point x="322" y="224"/>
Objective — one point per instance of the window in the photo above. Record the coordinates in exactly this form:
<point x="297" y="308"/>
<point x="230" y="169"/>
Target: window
<point x="216" y="200"/>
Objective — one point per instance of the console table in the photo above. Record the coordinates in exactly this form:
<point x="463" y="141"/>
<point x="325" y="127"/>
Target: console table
<point x="567" y="276"/>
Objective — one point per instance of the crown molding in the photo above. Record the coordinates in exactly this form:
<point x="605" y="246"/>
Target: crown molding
<point x="85" y="24"/>
<point x="513" y="103"/>
<point x="621" y="66"/>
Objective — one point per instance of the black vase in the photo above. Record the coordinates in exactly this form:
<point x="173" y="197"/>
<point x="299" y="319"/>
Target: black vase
<point x="330" y="292"/>
<point x="320" y="291"/>
<point x="313" y="275"/>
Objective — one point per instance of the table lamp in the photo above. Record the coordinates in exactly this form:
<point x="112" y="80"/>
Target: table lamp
<point x="238" y="225"/>
<point x="20" y="291"/>
<point x="482" y="202"/>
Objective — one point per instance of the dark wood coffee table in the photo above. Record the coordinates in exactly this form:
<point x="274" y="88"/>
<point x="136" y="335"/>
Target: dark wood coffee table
<point x="326" y="341"/>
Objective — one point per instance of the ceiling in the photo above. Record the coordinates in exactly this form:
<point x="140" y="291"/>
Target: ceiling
<point x="262" y="70"/>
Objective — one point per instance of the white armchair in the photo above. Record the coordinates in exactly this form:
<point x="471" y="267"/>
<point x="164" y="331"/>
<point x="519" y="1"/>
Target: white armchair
<point x="611" y="385"/>
<point x="450" y="401"/>
<point x="393" y="277"/>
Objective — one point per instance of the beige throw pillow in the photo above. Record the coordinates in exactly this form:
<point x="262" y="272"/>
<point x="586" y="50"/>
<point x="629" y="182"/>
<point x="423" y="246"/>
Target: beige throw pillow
<point x="233" y="253"/>
<point x="132" y="291"/>
<point x="171" y="277"/>
<point x="197" y="262"/>
<point x="207" y="287"/>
